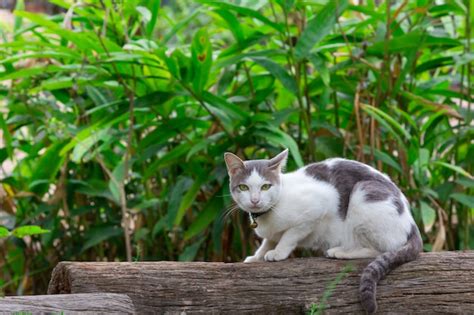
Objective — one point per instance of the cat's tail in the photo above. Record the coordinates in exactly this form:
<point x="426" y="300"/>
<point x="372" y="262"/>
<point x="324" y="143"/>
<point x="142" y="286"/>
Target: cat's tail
<point x="385" y="263"/>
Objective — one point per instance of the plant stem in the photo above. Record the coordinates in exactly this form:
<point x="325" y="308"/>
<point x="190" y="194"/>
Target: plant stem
<point x="360" y="154"/>
<point x="131" y="98"/>
<point x="123" y="207"/>
<point x="304" y="112"/>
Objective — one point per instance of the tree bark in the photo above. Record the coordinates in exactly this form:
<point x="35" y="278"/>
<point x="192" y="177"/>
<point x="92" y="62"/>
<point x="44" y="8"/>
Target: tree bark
<point x="91" y="303"/>
<point x="440" y="282"/>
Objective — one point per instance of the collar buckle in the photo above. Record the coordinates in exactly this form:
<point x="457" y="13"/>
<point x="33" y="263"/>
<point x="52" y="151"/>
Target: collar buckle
<point x="254" y="216"/>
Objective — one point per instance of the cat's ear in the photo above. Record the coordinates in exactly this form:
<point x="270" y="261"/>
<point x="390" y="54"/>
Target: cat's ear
<point x="233" y="162"/>
<point x="278" y="163"/>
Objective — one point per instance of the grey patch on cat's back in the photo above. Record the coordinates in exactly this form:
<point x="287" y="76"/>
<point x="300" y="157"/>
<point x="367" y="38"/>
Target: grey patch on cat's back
<point x="399" y="205"/>
<point x="320" y="171"/>
<point x="345" y="175"/>
<point x="375" y="190"/>
<point x="380" y="190"/>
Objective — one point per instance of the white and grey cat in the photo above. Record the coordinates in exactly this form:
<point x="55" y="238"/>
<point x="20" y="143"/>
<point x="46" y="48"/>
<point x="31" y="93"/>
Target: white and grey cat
<point x="343" y="207"/>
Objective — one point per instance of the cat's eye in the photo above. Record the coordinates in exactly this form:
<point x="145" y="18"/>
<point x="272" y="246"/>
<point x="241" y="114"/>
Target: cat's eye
<point x="243" y="187"/>
<point x="266" y="186"/>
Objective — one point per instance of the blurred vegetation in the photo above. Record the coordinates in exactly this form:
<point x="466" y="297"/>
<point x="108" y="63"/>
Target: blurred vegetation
<point x="115" y="116"/>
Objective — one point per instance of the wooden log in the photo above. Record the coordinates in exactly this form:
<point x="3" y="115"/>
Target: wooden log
<point x="88" y="303"/>
<point x="435" y="283"/>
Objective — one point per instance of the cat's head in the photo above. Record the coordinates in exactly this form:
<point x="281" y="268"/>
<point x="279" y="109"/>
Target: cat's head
<point x="255" y="185"/>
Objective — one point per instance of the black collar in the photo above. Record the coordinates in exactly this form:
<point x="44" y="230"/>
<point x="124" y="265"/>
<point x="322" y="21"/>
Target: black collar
<point x="258" y="214"/>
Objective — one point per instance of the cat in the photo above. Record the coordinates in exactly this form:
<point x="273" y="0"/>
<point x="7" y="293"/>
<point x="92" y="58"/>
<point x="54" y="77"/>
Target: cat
<point x="345" y="208"/>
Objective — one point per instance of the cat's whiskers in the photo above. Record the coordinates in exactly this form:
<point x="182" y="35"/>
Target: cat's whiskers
<point x="224" y="195"/>
<point x="229" y="211"/>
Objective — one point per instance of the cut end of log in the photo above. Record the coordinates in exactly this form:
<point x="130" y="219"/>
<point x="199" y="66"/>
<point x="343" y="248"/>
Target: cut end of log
<point x="60" y="280"/>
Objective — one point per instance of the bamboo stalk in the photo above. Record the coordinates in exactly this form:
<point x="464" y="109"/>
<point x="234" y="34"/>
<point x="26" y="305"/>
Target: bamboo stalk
<point x="360" y="154"/>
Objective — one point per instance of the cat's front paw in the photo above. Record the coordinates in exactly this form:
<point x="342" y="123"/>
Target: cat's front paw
<point x="251" y="259"/>
<point x="274" y="255"/>
<point x="334" y="252"/>
<point x="338" y="252"/>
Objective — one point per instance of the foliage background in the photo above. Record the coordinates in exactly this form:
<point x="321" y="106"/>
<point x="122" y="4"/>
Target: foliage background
<point x="115" y="117"/>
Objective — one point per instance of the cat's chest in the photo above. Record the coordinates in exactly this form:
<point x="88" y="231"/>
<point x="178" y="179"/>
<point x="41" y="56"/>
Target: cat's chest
<point x="267" y="232"/>
<point x="274" y="225"/>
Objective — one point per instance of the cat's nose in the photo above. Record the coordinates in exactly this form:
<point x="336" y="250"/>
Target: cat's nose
<point x="255" y="201"/>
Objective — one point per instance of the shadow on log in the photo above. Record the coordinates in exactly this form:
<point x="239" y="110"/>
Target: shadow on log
<point x="92" y="303"/>
<point x="435" y="283"/>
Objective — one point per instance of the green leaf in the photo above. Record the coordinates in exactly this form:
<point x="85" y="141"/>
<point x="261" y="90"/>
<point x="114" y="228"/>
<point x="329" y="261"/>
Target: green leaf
<point x="232" y="53"/>
<point x="432" y="105"/>
<point x="177" y="27"/>
<point x="278" y="72"/>
<point x="386" y="120"/>
<point x="447" y="9"/>
<point x="97" y="235"/>
<point x="409" y="119"/>
<point x="466" y="200"/>
<point x="171" y="63"/>
<point x="91" y="130"/>
<point x="4" y="232"/>
<point x="187" y="201"/>
<point x="319" y="26"/>
<point x="286" y="5"/>
<point x="179" y="189"/>
<point x="415" y="39"/>
<point x="227" y="60"/>
<point x="83" y="147"/>
<point x="279" y="138"/>
<point x="7" y="137"/>
<point x="170" y="157"/>
<point x="233" y="111"/>
<point x="204" y="218"/>
<point x="466" y="182"/>
<point x="47" y="167"/>
<point x="201" y="52"/>
<point x="320" y="66"/>
<point x="434" y="63"/>
<point x="117" y="180"/>
<point x="411" y="56"/>
<point x="190" y="252"/>
<point x="98" y="97"/>
<point x="456" y="168"/>
<point x="34" y="71"/>
<point x="54" y="54"/>
<point x="428" y="215"/>
<point x="384" y="157"/>
<point x="199" y="146"/>
<point x="86" y="41"/>
<point x="28" y="230"/>
<point x="59" y="83"/>
<point x="233" y="23"/>
<point x="245" y="12"/>
<point x="367" y="11"/>
<point x="149" y="203"/>
<point x="222" y="116"/>
<point x="20" y="5"/>
<point x="145" y="14"/>
<point x="141" y="234"/>
<point x="163" y="133"/>
<point x="159" y="226"/>
<point x="154" y="7"/>
<point x="432" y="121"/>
